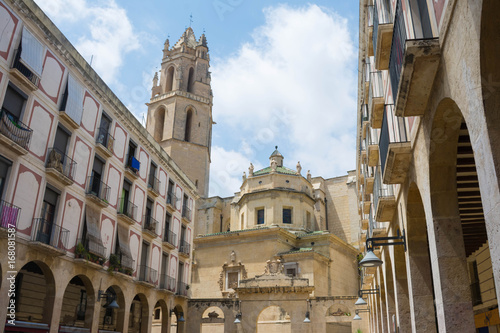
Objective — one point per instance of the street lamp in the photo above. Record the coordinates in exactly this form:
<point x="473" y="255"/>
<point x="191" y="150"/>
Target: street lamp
<point x="370" y="259"/>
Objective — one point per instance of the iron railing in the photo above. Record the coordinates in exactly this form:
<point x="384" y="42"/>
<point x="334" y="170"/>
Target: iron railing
<point x="186" y="212"/>
<point x="127" y="262"/>
<point x="399" y="39"/>
<point x="184" y="247"/>
<point x="380" y="190"/>
<point x="98" y="188"/>
<point x="171" y="198"/>
<point x="61" y="162"/>
<point x="393" y="131"/>
<point x="364" y="113"/>
<point x="154" y="183"/>
<point x="15" y="130"/>
<point x="9" y="215"/>
<point x="182" y="289"/>
<point x="49" y="233"/>
<point x="170" y="237"/>
<point x="127" y="208"/>
<point x="93" y="247"/>
<point x="105" y="139"/>
<point x="381" y="15"/>
<point x="150" y="224"/>
<point x="147" y="274"/>
<point x="133" y="164"/>
<point x="167" y="282"/>
<point x="17" y="64"/>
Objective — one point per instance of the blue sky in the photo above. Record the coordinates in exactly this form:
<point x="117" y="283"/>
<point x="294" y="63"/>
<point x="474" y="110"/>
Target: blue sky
<point x="283" y="73"/>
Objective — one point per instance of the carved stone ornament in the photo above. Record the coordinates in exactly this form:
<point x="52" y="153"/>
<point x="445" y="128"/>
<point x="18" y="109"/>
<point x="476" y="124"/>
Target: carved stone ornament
<point x="274" y="267"/>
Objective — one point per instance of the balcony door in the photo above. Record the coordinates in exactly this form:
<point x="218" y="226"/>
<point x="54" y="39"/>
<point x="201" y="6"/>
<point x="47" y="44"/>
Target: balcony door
<point x="144" y="261"/>
<point x="97" y="170"/>
<point x="45" y="227"/>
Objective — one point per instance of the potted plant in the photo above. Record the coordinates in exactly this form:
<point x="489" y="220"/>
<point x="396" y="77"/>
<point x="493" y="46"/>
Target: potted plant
<point x="80" y="250"/>
<point x="114" y="262"/>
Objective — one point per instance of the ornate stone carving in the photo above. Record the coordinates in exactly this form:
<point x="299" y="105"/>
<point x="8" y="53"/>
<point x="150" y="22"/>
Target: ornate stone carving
<point x="299" y="168"/>
<point x="250" y="170"/>
<point x="274" y="267"/>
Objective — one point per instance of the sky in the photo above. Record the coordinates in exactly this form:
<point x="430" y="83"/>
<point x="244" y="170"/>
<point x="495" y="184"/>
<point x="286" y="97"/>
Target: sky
<point x="284" y="73"/>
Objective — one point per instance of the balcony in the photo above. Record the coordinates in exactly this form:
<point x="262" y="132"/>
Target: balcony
<point x="182" y="289"/>
<point x="365" y="120"/>
<point x="98" y="191"/>
<point x="121" y="264"/>
<point x="395" y="148"/>
<point x="369" y="179"/>
<point x="184" y="248"/>
<point x="49" y="237"/>
<point x="15" y="135"/>
<point x="150" y="226"/>
<point x="132" y="166"/>
<point x="373" y="151"/>
<point x="169" y="239"/>
<point x="171" y="201"/>
<point x="104" y="142"/>
<point x="27" y="77"/>
<point x="148" y="275"/>
<point x="60" y="167"/>
<point x="366" y="204"/>
<point x="154" y="186"/>
<point x="376" y="99"/>
<point x="413" y="65"/>
<point x="384" y="200"/>
<point x="382" y="33"/>
<point x="364" y="224"/>
<point x="369" y="31"/>
<point x="9" y="215"/>
<point x="362" y="151"/>
<point x="126" y="211"/>
<point x="89" y="252"/>
<point x="167" y="282"/>
<point x="186" y="213"/>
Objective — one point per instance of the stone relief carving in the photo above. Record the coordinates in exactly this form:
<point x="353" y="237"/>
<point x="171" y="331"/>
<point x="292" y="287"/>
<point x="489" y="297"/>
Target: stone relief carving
<point x="274" y="267"/>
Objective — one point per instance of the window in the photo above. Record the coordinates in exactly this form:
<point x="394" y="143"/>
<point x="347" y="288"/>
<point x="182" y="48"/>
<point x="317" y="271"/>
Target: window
<point x="185" y="208"/>
<point x="291" y="268"/>
<point x="96" y="176"/>
<point x="132" y="162"/>
<point x="157" y="313"/>
<point x="152" y="181"/>
<point x="260" y="216"/>
<point x="187" y="130"/>
<point x="124" y="200"/>
<point x="475" y="283"/>
<point x="29" y="57"/>
<point x="14" y="102"/>
<point x="170" y="193"/>
<point x="61" y="141"/>
<point x="190" y="80"/>
<point x="170" y="79"/>
<point x="104" y="127"/>
<point x="287" y="215"/>
<point x="72" y="103"/>
<point x="4" y="171"/>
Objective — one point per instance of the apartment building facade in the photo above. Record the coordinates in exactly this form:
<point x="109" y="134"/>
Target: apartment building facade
<point x="427" y="164"/>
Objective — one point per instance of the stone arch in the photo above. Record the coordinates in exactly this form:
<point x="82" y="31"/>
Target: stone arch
<point x="159" y="118"/>
<point x="78" y="303"/>
<point x="274" y="318"/>
<point x="35" y="293"/>
<point x="176" y="325"/>
<point x="420" y="284"/>
<point x="212" y="320"/>
<point x="139" y="314"/>
<point x="190" y="83"/>
<point x="490" y="79"/>
<point x="112" y="319"/>
<point x="188" y="125"/>
<point x="446" y="239"/>
<point x="169" y="83"/>
<point x="161" y="317"/>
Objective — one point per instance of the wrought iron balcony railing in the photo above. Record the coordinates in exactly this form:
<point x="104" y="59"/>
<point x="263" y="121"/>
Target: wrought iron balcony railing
<point x="92" y="247"/>
<point x="147" y="274"/>
<point x="49" y="233"/>
<point x="98" y="188"/>
<point x="186" y="212"/>
<point x="17" y="64"/>
<point x="182" y="289"/>
<point x="167" y="282"/>
<point x="150" y="224"/>
<point x="184" y="247"/>
<point x="154" y="183"/>
<point x="127" y="208"/>
<point x="9" y="215"/>
<point x="170" y="237"/>
<point x="15" y="130"/>
<point x="381" y="15"/>
<point x="105" y="138"/>
<point x="61" y="162"/>
<point x="171" y="199"/>
<point x="393" y="131"/>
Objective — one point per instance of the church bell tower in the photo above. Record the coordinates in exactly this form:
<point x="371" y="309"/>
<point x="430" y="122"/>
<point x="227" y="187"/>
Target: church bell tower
<point x="180" y="109"/>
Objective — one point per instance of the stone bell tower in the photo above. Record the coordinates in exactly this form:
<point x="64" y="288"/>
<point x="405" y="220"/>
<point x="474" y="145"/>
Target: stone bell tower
<point x="180" y="109"/>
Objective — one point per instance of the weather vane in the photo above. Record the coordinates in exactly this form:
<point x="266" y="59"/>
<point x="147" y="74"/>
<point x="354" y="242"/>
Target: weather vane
<point x="190" y="20"/>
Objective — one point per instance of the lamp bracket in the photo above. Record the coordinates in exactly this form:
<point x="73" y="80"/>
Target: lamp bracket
<point x="384" y="241"/>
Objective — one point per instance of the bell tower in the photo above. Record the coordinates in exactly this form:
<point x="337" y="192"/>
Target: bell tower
<point x="180" y="109"/>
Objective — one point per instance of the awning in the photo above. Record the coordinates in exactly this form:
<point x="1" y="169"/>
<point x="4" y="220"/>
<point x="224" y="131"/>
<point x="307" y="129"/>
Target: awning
<point x="95" y="245"/>
<point x="74" y="103"/>
<point x="124" y="248"/>
<point x="32" y="52"/>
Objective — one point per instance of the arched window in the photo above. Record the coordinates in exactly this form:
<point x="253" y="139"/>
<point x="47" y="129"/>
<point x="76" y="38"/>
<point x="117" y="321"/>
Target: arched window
<point x="170" y="79"/>
<point x="159" y="122"/>
<point x="187" y="131"/>
<point x="190" y="80"/>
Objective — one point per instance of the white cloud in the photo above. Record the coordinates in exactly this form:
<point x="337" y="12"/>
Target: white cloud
<point x="295" y="82"/>
<point x="226" y="171"/>
<point x="108" y="34"/>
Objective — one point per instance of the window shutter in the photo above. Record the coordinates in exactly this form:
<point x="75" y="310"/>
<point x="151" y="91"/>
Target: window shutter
<point x="32" y="52"/>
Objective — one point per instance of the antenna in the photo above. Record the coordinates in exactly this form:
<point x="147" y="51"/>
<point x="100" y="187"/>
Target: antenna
<point x="91" y="58"/>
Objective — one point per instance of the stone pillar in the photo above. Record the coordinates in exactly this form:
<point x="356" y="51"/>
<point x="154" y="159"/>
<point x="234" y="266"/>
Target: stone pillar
<point x="53" y="307"/>
<point x="389" y="291"/>
<point x="401" y="288"/>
